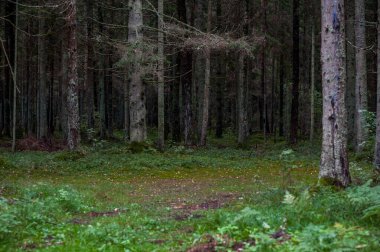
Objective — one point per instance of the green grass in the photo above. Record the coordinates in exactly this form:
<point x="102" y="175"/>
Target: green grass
<point x="109" y="197"/>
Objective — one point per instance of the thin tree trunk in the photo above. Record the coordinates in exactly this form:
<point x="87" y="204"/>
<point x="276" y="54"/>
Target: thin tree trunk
<point x="206" y="91"/>
<point x="64" y="89"/>
<point x="102" y="79"/>
<point x="160" y="77"/>
<point x="73" y="137"/>
<point x="361" y="75"/>
<point x="137" y="89"/>
<point x="15" y="84"/>
<point x="221" y="72"/>
<point x="281" y="105"/>
<point x="9" y="30"/>
<point x="377" y="147"/>
<point x="312" y="87"/>
<point x="295" y="89"/>
<point x="350" y="86"/>
<point x="334" y="161"/>
<point x="220" y="97"/>
<point x="42" y="128"/>
<point x="89" y="80"/>
<point x="242" y="115"/>
<point x="185" y="60"/>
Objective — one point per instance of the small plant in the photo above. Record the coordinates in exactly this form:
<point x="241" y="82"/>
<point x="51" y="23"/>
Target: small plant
<point x="367" y="199"/>
<point x="287" y="158"/>
<point x="70" y="155"/>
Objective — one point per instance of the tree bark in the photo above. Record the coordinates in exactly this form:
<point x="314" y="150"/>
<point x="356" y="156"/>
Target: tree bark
<point x="73" y="137"/>
<point x="242" y="113"/>
<point x="160" y="77"/>
<point x="14" y="117"/>
<point x="377" y="147"/>
<point x="89" y="80"/>
<point x="312" y="86"/>
<point x="263" y="107"/>
<point x="296" y="63"/>
<point x="185" y="61"/>
<point x="137" y="90"/>
<point x="361" y="76"/>
<point x="350" y="87"/>
<point x="206" y="90"/>
<point x="9" y="31"/>
<point x="334" y="161"/>
<point x="281" y="105"/>
<point x="102" y="80"/>
<point x="42" y="128"/>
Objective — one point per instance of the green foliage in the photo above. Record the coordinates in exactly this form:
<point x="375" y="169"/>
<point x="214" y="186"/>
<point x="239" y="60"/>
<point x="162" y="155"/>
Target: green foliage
<point x="39" y="208"/>
<point x="136" y="147"/>
<point x="370" y="119"/>
<point x="4" y="163"/>
<point x="147" y="185"/>
<point x="70" y="155"/>
<point x="366" y="199"/>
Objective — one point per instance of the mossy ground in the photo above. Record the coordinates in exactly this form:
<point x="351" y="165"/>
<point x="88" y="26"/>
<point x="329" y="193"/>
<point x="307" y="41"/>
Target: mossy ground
<point x="171" y="201"/>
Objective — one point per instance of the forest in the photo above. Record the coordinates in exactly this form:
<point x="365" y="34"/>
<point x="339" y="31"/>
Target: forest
<point x="190" y="125"/>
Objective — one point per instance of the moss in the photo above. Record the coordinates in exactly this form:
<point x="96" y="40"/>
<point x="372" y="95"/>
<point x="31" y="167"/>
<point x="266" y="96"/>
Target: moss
<point x="331" y="182"/>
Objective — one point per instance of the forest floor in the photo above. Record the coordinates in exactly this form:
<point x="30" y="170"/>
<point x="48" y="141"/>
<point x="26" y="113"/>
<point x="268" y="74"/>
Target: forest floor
<point x="113" y="197"/>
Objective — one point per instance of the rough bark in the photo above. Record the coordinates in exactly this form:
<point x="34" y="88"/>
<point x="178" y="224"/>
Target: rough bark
<point x="281" y="105"/>
<point x="206" y="90"/>
<point x="296" y="79"/>
<point x="102" y="79"/>
<point x="221" y="74"/>
<point x="160" y="77"/>
<point x="14" y="117"/>
<point x="73" y="136"/>
<point x="89" y="75"/>
<point x="137" y="89"/>
<point x="350" y="86"/>
<point x="185" y="60"/>
<point x="9" y="31"/>
<point x="263" y="102"/>
<point x="312" y="86"/>
<point x="361" y="76"/>
<point x="377" y="147"/>
<point x="242" y="112"/>
<point x="334" y="162"/>
<point x="64" y="89"/>
<point x="42" y="123"/>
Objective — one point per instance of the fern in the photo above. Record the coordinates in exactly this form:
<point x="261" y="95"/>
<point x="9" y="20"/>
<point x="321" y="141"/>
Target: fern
<point x="367" y="199"/>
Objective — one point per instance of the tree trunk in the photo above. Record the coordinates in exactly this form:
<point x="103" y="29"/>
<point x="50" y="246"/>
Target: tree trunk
<point x="334" y="161"/>
<point x="206" y="90"/>
<point x="242" y="113"/>
<point x="377" y="147"/>
<point x="185" y="60"/>
<point x="361" y="76"/>
<point x="64" y="89"/>
<point x="42" y="128"/>
<point x="160" y="77"/>
<point x="14" y="117"/>
<point x="73" y="137"/>
<point x="102" y="79"/>
<point x="137" y="90"/>
<point x="281" y="105"/>
<point x="9" y="31"/>
<point x="295" y="89"/>
<point x="312" y="86"/>
<point x="350" y="86"/>
<point x="89" y="80"/>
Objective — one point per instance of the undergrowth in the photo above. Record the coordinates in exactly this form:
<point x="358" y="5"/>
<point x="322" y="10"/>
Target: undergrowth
<point x="118" y="197"/>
